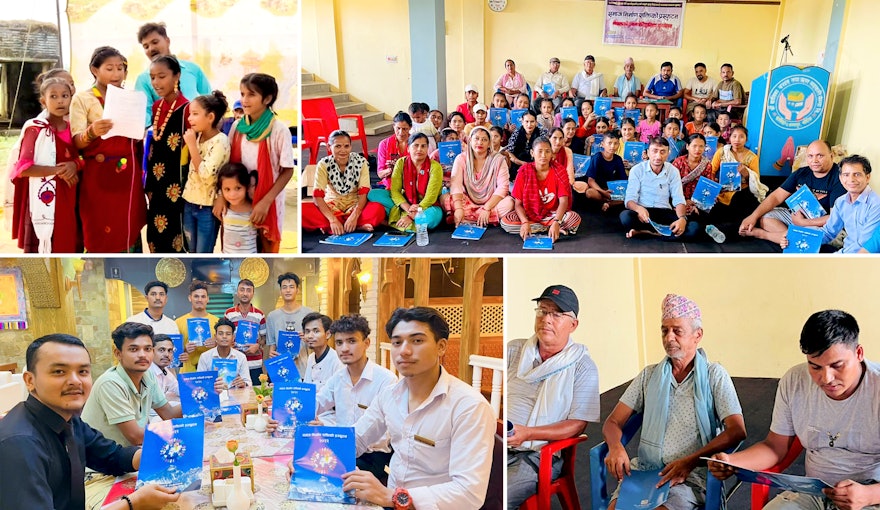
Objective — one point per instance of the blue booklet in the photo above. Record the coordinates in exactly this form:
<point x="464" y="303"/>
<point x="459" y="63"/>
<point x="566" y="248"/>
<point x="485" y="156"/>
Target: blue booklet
<point x="352" y="239"/>
<point x="601" y="106"/>
<point x="516" y="116"/>
<point x="805" y="201"/>
<point x="197" y="396"/>
<point x="597" y="143"/>
<point x="617" y="189"/>
<point x="569" y="112"/>
<point x="247" y="332"/>
<point x="293" y="404"/>
<point x="288" y="341"/>
<point x="226" y="369"/>
<point x="803" y="240"/>
<point x="632" y="151"/>
<point x="664" y="230"/>
<point x="468" y="232"/>
<point x="448" y="151"/>
<point x="618" y="114"/>
<point x="394" y="239"/>
<point x="711" y="146"/>
<point x="580" y="163"/>
<point x="172" y="454"/>
<point x="282" y="368"/>
<point x="538" y="243"/>
<point x="634" y="114"/>
<point x="784" y="481"/>
<point x="728" y="176"/>
<point x="498" y="116"/>
<point x="706" y="193"/>
<point x="549" y="88"/>
<point x="198" y="331"/>
<point x="321" y="455"/>
<point x="639" y="491"/>
<point x="177" y="341"/>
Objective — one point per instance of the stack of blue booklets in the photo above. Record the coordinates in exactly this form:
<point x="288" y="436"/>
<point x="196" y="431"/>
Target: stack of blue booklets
<point x="247" y="332"/>
<point x="617" y="189"/>
<point x="803" y="240"/>
<point x="197" y="395"/>
<point x="498" y="116"/>
<point x="198" y="331"/>
<point x="288" y="341"/>
<point x="226" y="369"/>
<point x="706" y="193"/>
<point x="632" y="151"/>
<point x="729" y="177"/>
<point x="353" y="239"/>
<point x="394" y="239"/>
<point x="448" y="151"/>
<point x="805" y="201"/>
<point x="516" y="116"/>
<point x="711" y="146"/>
<point x="293" y="404"/>
<point x="177" y="341"/>
<point x="596" y="148"/>
<point x="538" y="243"/>
<point x="321" y="455"/>
<point x="601" y="106"/>
<point x="172" y="454"/>
<point x="569" y="112"/>
<point x="468" y="232"/>
<point x="282" y="368"/>
<point x="580" y="162"/>
<point x="639" y="491"/>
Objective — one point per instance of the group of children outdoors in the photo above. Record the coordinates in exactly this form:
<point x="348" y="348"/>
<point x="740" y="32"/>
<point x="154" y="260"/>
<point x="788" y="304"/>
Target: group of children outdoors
<point x="76" y="189"/>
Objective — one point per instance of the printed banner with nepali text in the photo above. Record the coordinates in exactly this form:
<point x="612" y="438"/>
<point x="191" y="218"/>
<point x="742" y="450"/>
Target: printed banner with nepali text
<point x="644" y="22"/>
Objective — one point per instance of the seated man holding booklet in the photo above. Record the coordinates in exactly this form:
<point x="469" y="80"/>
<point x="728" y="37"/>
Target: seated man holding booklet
<point x="690" y="409"/>
<point x="831" y="404"/>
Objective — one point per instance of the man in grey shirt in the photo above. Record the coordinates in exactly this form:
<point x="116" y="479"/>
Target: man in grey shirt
<point x="288" y="318"/>
<point x="685" y="399"/>
<point x="553" y="390"/>
<point x="832" y="404"/>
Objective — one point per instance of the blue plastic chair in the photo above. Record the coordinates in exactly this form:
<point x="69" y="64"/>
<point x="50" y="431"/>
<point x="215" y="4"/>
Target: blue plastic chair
<point x="716" y="496"/>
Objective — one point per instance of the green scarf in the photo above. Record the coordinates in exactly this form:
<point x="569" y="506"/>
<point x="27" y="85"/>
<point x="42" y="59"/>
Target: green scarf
<point x="258" y="130"/>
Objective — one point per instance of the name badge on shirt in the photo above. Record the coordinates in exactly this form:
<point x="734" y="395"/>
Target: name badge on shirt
<point x="423" y="440"/>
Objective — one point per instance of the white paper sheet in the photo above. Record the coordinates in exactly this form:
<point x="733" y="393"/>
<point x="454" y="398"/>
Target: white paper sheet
<point x="126" y="109"/>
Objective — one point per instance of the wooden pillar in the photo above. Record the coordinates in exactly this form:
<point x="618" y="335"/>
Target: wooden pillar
<point x="334" y="286"/>
<point x="420" y="274"/>
<point x="392" y="285"/>
<point x="472" y="308"/>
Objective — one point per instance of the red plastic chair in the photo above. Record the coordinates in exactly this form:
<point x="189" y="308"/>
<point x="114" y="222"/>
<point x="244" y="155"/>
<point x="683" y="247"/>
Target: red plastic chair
<point x="324" y="110"/>
<point x="564" y="486"/>
<point x="761" y="493"/>
<point x="313" y="138"/>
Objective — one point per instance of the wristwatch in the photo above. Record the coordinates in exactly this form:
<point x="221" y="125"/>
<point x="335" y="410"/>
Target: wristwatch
<point x="402" y="499"/>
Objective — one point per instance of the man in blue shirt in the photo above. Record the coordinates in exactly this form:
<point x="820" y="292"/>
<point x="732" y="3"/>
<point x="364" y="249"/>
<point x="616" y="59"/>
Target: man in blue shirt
<point x="155" y="41"/>
<point x="664" y="85"/>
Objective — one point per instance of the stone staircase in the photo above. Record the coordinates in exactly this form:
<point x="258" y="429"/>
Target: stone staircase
<point x="375" y="123"/>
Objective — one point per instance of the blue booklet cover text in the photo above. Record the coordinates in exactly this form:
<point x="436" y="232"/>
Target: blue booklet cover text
<point x="711" y="146"/>
<point x="664" y="230"/>
<point x="282" y="369"/>
<point x="597" y="143"/>
<point x="353" y="239"/>
<point x="728" y="176"/>
<point x="580" y="163"/>
<point x="394" y="239"/>
<point x="172" y="454"/>
<point x="803" y="240"/>
<point x="247" y="332"/>
<point x="705" y="193"/>
<point x="617" y="189"/>
<point x="634" y="114"/>
<point x="516" y="116"/>
<point x="549" y="88"/>
<point x="293" y="404"/>
<point x="197" y="396"/>
<point x="498" y="116"/>
<point x="569" y="112"/>
<point x="448" y="151"/>
<point x="468" y="232"/>
<point x="288" y="341"/>
<point x="638" y="491"/>
<point x="601" y="106"/>
<point x="632" y="151"/>
<point x="226" y="369"/>
<point x="321" y="455"/>
<point x="805" y="201"/>
<point x="538" y="243"/>
<point x="198" y="330"/>
<point x="177" y="341"/>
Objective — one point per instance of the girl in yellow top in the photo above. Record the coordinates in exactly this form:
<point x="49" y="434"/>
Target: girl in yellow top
<point x="733" y="206"/>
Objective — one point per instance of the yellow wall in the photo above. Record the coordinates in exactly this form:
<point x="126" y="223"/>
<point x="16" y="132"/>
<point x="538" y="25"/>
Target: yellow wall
<point x="753" y="308"/>
<point x="806" y="21"/>
<point x="319" y="40"/>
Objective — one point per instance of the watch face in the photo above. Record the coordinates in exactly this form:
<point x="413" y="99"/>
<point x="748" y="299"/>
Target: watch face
<point x="497" y="5"/>
<point x="401" y="499"/>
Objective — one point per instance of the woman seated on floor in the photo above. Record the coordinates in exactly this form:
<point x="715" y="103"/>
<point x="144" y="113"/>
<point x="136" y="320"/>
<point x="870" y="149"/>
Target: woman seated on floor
<point x="562" y="155"/>
<point x="519" y="144"/>
<point x="479" y="186"/>
<point x="733" y="206"/>
<point x="342" y="181"/>
<point x="392" y="148"/>
<point x="415" y="182"/>
<point x="542" y="197"/>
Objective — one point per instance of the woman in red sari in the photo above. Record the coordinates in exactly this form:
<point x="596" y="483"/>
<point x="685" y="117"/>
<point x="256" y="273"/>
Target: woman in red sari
<point x="112" y="205"/>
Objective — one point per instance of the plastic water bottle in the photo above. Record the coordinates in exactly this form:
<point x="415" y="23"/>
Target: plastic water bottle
<point x="421" y="221"/>
<point x="716" y="235"/>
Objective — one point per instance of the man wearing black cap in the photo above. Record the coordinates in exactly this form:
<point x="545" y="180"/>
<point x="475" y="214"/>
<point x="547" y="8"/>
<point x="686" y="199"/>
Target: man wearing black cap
<point x="552" y="388"/>
<point x="587" y="84"/>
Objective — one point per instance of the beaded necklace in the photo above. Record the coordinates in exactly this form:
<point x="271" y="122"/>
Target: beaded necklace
<point x="161" y="127"/>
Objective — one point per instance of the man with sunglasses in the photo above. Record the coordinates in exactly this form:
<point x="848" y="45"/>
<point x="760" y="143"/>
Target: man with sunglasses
<point x="553" y="390"/>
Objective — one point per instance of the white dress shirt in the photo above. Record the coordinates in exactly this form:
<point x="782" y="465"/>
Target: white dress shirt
<point x="320" y="371"/>
<point x="164" y="325"/>
<point x="210" y="354"/>
<point x="442" y="449"/>
<point x="168" y="385"/>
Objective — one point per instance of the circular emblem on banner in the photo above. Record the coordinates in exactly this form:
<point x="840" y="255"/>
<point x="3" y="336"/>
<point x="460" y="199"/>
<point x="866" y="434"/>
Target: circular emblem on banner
<point x="796" y="102"/>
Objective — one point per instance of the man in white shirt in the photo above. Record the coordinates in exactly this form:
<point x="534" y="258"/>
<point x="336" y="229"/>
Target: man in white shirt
<point x="441" y="428"/>
<point x="323" y="361"/>
<point x="153" y="315"/>
<point x="350" y="392"/>
<point x="587" y="84"/>
<point x="166" y="376"/>
<point x="225" y="338"/>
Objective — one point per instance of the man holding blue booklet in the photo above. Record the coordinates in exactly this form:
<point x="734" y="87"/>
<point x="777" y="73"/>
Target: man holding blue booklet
<point x="224" y="335"/>
<point x="830" y="403"/>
